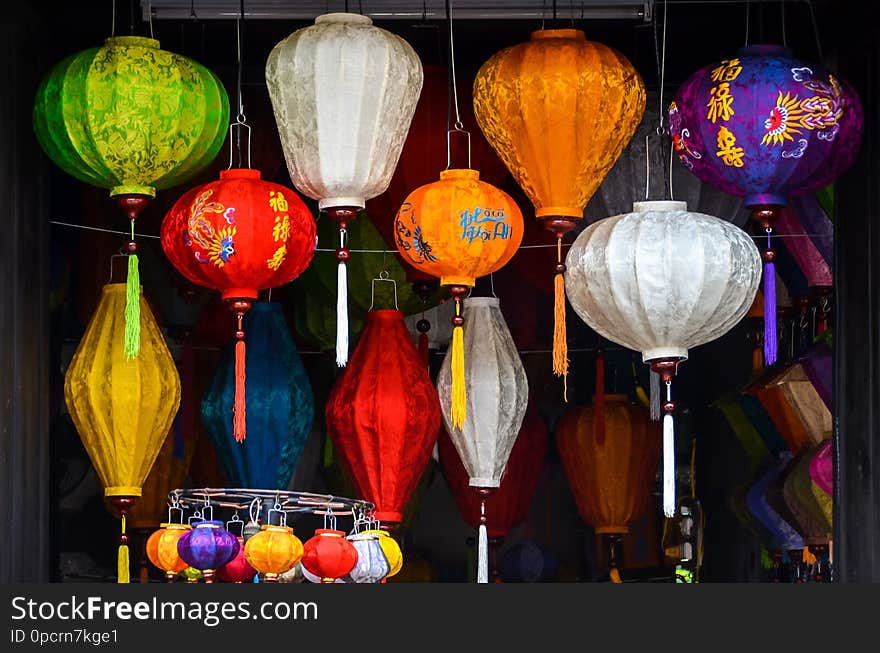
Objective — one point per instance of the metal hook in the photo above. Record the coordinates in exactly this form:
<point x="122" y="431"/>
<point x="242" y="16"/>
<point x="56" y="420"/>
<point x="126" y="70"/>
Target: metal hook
<point x="383" y="276"/>
<point x="236" y="520"/>
<point x="457" y="127"/>
<point x="114" y="256"/>
<point x="492" y="284"/>
<point x="240" y="124"/>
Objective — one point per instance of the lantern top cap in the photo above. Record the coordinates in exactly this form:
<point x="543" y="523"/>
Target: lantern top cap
<point x="385" y="314"/>
<point x="329" y="532"/>
<point x="342" y="17"/>
<point x="141" y="41"/>
<point x="659" y="205"/>
<point x="460" y="173"/>
<point x="764" y="50"/>
<point x="240" y="173"/>
<point x="567" y="33"/>
<point x="482" y="301"/>
<point x="175" y="527"/>
<point x="211" y="523"/>
<point x="276" y="528"/>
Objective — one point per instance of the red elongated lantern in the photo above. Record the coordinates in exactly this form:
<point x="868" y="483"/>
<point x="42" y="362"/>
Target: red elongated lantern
<point x="383" y="415"/>
<point x="509" y="504"/>
<point x="239" y="235"/>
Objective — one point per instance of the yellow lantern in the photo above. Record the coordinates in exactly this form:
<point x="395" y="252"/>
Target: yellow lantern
<point x="273" y="551"/>
<point x="559" y="110"/>
<point x="122" y="408"/>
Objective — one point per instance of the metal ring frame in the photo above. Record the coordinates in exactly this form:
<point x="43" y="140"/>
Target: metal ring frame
<point x="196" y="499"/>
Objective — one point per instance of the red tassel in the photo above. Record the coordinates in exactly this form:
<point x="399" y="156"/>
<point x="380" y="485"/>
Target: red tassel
<point x="238" y="421"/>
<point x="423" y="348"/>
<point x="600" y="399"/>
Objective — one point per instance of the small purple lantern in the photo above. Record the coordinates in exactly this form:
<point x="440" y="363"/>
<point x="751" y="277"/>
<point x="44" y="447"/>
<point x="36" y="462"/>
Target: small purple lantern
<point x="207" y="547"/>
<point x="765" y="126"/>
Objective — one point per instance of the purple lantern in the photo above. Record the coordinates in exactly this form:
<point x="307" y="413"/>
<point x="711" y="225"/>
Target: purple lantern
<point x="822" y="468"/>
<point x="207" y="547"/>
<point x="766" y="127"/>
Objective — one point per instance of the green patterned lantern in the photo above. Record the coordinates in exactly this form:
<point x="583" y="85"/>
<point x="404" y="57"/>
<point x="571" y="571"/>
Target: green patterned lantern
<point x="131" y="118"/>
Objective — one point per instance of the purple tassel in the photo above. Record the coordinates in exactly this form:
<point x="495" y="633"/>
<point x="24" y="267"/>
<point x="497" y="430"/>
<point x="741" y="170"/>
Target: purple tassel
<point x="769" y="313"/>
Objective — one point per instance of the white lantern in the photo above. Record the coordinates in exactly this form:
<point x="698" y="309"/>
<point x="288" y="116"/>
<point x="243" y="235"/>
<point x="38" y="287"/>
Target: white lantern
<point x="372" y="565"/>
<point x="661" y="280"/>
<point x="344" y="92"/>
<point x="497" y="394"/>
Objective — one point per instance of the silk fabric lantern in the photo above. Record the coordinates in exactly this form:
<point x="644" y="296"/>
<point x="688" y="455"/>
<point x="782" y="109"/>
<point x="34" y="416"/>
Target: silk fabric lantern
<point x="383" y="415"/>
<point x="328" y="555"/>
<point x="273" y="551"/>
<point x="610" y="469"/>
<point x="207" y="547"/>
<point x="766" y="126"/>
<point x="372" y="565"/>
<point x="280" y="405"/>
<point x="130" y="117"/>
<point x="237" y="570"/>
<point x="783" y="534"/>
<point x="458" y="229"/>
<point x="162" y="549"/>
<point x="559" y="110"/>
<point x="391" y="549"/>
<point x="122" y="408"/>
<point x="239" y="235"/>
<point x="344" y="92"/>
<point x="661" y="280"/>
<point x="497" y="394"/>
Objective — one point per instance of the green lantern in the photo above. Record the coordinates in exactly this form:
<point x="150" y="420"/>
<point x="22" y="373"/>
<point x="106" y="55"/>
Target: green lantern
<point x="131" y="118"/>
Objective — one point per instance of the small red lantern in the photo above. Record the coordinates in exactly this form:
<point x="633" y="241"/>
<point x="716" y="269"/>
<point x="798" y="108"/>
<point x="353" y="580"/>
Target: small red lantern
<point x="239" y="235"/>
<point x="237" y="570"/>
<point x="328" y="555"/>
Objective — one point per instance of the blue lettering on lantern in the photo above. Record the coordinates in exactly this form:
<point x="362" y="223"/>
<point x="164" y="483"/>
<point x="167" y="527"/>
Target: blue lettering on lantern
<point x="472" y="225"/>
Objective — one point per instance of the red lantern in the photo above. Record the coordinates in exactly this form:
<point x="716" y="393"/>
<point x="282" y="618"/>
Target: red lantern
<point x="509" y="504"/>
<point x="239" y="235"/>
<point x="424" y="153"/>
<point x="237" y="570"/>
<point x="328" y="555"/>
<point x="383" y="415"/>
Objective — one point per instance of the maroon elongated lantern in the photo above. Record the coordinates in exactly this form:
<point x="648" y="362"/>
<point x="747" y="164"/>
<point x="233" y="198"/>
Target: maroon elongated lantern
<point x="239" y="235"/>
<point x="383" y="415"/>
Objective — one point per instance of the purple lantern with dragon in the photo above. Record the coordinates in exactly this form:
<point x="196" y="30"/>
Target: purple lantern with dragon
<point x="766" y="127"/>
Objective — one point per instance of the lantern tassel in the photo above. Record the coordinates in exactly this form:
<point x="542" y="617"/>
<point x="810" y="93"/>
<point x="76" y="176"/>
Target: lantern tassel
<point x="341" y="303"/>
<point x="668" y="466"/>
<point x="769" y="305"/>
<point x="122" y="561"/>
<point x="757" y="359"/>
<point x="132" y="309"/>
<point x="655" y="396"/>
<point x="614" y="575"/>
<point x="239" y="428"/>
<point x="459" y="392"/>
<point x="560" y="344"/>
<point x="424" y="351"/>
<point x="483" y="546"/>
<point x="600" y="400"/>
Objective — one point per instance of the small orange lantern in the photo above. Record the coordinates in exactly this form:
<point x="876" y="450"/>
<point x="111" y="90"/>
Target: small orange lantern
<point x="458" y="229"/>
<point x="162" y="549"/>
<point x="273" y="551"/>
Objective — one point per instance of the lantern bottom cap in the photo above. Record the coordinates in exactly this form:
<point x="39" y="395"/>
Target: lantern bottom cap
<point x="122" y="491"/>
<point x="240" y="293"/>
<point x="484" y="482"/>
<point x="389" y="516"/>
<point x="572" y="212"/>
<point x="458" y="281"/>
<point x="659" y="205"/>
<point x="338" y="202"/>
<point x="664" y="352"/>
<point x="612" y="530"/>
<point x="765" y="199"/>
<point x="133" y="189"/>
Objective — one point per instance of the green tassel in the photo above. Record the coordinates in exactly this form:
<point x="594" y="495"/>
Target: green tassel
<point x="133" y="308"/>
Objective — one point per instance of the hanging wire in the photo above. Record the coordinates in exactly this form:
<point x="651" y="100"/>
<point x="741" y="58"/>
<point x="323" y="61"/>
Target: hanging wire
<point x="131" y="18"/>
<point x="543" y="12"/>
<point x="748" y="18"/>
<point x="113" y="27"/>
<point x="784" y="36"/>
<point x="458" y="126"/>
<point x="150" y="12"/>
<point x="192" y="10"/>
<point x="660" y="56"/>
<point x="240" y="122"/>
<point x="815" y="31"/>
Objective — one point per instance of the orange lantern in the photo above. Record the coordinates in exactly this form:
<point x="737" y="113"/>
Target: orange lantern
<point x="458" y="229"/>
<point x="274" y="550"/>
<point x="559" y="110"/>
<point x="610" y="470"/>
<point x="162" y="549"/>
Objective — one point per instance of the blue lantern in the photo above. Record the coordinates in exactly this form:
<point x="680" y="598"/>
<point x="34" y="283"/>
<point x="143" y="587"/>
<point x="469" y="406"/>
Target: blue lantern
<point x="280" y="404"/>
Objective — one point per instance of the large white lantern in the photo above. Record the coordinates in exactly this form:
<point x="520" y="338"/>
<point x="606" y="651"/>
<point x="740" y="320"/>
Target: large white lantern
<point x="661" y="280"/>
<point x="343" y="92"/>
<point x="497" y="394"/>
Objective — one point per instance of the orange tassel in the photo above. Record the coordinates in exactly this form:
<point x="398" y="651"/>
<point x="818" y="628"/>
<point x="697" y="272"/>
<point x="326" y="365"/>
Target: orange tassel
<point x="560" y="345"/>
<point x="424" y="352"/>
<point x="600" y="400"/>
<point x="758" y="358"/>
<point x="238" y="422"/>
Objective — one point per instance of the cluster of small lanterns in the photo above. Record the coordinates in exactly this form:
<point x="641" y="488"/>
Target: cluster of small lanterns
<point x="271" y="553"/>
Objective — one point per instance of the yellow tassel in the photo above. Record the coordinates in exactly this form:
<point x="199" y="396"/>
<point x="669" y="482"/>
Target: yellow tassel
<point x="614" y="575"/>
<point x="560" y="343"/>
<point x="122" y="559"/>
<point x="809" y="558"/>
<point x="459" y="393"/>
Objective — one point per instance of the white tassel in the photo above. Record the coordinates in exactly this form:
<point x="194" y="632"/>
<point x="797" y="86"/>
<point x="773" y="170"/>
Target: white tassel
<point x="341" y="316"/>
<point x="483" y="556"/>
<point x="655" y="396"/>
<point x="668" y="466"/>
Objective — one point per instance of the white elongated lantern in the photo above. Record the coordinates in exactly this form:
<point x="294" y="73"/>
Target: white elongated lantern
<point x="497" y="394"/>
<point x="661" y="280"/>
<point x="343" y="92"/>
